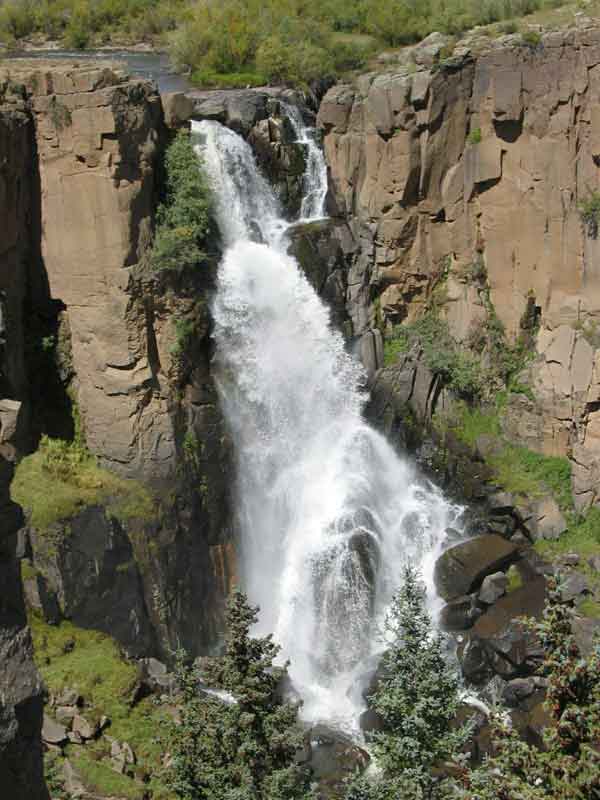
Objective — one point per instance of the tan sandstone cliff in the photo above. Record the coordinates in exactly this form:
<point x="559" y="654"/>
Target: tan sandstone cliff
<point x="485" y="160"/>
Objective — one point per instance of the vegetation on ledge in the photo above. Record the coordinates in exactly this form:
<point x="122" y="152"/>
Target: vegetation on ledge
<point x="61" y="478"/>
<point x="184" y="218"/>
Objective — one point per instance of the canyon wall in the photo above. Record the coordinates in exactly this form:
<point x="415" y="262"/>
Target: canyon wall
<point x="21" y="699"/>
<point x="478" y="167"/>
<point x="108" y="363"/>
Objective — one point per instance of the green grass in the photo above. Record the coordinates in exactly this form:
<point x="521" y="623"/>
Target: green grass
<point x="581" y="537"/>
<point x="396" y="344"/>
<point x="468" y="423"/>
<point x="523" y="472"/>
<point x="91" y="662"/>
<point x="216" y="80"/>
<point x="61" y="478"/>
<point x="99" y="777"/>
<point x="590" y="608"/>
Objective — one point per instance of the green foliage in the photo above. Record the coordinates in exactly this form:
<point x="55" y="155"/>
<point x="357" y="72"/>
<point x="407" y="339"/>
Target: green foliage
<point x="89" y="661"/>
<point x="589" y="211"/>
<point x="468" y="423"/>
<point x="61" y="477"/>
<point x="515" y="580"/>
<point x="567" y="768"/>
<point x="183" y="220"/>
<point x="81" y="23"/>
<point x="59" y="114"/>
<point x="582" y="537"/>
<point x="394" y="345"/>
<point x="461" y="371"/>
<point x="474" y="136"/>
<point x="184" y="330"/>
<point x="417" y="699"/>
<point x="243" y="750"/>
<point x="530" y="474"/>
<point x="100" y="777"/>
<point x="531" y="38"/>
<point x="215" y="80"/>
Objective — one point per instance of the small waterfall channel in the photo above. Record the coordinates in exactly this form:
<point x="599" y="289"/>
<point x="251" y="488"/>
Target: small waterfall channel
<point x="327" y="511"/>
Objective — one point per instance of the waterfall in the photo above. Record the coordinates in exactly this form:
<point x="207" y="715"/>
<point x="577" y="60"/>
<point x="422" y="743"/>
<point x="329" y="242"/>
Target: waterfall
<point x="315" y="176"/>
<point x="327" y="512"/>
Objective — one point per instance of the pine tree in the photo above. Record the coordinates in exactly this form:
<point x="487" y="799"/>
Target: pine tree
<point x="417" y="701"/>
<point x="243" y="749"/>
<point x="568" y="768"/>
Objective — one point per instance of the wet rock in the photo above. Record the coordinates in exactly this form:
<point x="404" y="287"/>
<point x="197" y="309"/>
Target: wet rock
<point x="53" y="732"/>
<point x="335" y="757"/>
<point x="460" y="614"/>
<point x="493" y="587"/>
<point x="461" y="568"/>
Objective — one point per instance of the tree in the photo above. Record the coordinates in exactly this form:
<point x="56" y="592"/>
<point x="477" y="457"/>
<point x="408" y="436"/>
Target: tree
<point x="244" y="748"/>
<point x="417" y="700"/>
<point x="568" y="768"/>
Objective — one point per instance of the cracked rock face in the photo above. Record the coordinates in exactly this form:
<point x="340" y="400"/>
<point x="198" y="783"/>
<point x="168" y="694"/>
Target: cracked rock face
<point x="21" y="701"/>
<point x="484" y="161"/>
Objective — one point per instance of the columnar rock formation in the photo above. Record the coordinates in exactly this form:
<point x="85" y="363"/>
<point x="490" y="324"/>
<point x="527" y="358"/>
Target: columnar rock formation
<point x="482" y="164"/>
<point x="20" y="687"/>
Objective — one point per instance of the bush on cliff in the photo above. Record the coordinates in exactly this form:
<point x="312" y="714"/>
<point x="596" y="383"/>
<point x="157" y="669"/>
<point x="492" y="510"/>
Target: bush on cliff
<point x="244" y="748"/>
<point x="417" y="699"/>
<point x="568" y="768"/>
<point x="183" y="219"/>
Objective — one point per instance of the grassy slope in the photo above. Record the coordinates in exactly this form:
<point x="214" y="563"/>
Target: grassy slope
<point x="91" y="662"/>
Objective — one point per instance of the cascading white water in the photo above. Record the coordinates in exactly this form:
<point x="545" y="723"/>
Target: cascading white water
<point x="315" y="175"/>
<point x="327" y="511"/>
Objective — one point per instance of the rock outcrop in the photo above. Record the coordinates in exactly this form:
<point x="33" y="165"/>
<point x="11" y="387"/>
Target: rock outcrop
<point x="481" y="165"/>
<point x="21" y="699"/>
<point x="140" y="391"/>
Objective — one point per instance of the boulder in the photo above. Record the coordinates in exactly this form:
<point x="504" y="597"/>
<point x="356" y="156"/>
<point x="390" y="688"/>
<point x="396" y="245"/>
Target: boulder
<point x="493" y="587"/>
<point x="499" y="642"/>
<point x="517" y="690"/>
<point x="82" y="727"/>
<point x="594" y="563"/>
<point x="573" y="585"/>
<point x="53" y="732"/>
<point x="65" y="714"/>
<point x="460" y="614"/>
<point x="177" y="108"/>
<point x="335" y="757"/>
<point x="461" y="569"/>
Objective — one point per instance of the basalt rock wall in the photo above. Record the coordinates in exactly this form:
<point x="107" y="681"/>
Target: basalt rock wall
<point x="21" y="699"/>
<point x="481" y="166"/>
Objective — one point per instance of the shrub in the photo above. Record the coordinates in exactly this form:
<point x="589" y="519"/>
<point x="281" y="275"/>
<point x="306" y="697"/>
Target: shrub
<point x="589" y="211"/>
<point x="474" y="136"/>
<point x="395" y="344"/>
<point x="183" y="220"/>
<point x="567" y="765"/>
<point x="531" y="38"/>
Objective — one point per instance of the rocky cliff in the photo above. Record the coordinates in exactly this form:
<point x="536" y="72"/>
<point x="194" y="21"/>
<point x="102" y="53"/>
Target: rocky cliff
<point x="119" y="359"/>
<point x="470" y="177"/>
<point x="20" y="687"/>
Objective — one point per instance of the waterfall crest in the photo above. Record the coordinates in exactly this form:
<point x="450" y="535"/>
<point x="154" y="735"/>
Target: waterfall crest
<point x="327" y="512"/>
